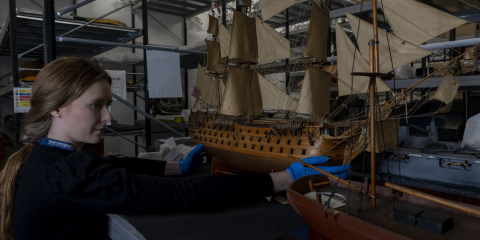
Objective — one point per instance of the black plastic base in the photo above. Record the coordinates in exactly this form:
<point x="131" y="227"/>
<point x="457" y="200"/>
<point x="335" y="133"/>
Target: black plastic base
<point x="407" y="214"/>
<point x="434" y="222"/>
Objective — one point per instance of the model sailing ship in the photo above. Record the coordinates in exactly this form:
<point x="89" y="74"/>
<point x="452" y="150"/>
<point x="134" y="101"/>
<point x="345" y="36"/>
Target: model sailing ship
<point x="244" y="140"/>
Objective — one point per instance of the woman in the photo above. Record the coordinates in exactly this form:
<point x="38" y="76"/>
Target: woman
<point x="50" y="189"/>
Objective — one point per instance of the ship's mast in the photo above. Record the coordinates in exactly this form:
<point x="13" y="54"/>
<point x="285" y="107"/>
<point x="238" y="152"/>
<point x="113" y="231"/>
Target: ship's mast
<point x="374" y="66"/>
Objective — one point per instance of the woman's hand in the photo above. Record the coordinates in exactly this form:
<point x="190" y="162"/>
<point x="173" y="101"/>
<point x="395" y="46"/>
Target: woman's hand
<point x="193" y="159"/>
<point x="297" y="169"/>
<point x="281" y="180"/>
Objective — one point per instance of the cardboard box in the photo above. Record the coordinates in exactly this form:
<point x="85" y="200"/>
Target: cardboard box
<point x="436" y="65"/>
<point x="467" y="66"/>
<point x="464" y="30"/>
<point x="470" y="55"/>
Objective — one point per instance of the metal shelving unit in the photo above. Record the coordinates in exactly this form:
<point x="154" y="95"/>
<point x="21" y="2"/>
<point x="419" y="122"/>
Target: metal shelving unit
<point x="23" y="35"/>
<point x="6" y="90"/>
<point x="36" y="34"/>
<point x="29" y="30"/>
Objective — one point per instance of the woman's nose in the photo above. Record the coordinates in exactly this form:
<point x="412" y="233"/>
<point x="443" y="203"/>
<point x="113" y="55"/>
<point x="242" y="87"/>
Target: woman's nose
<point x="106" y="115"/>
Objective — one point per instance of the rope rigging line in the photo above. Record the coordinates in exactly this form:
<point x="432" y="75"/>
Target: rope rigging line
<point x="395" y="110"/>
<point x="351" y="132"/>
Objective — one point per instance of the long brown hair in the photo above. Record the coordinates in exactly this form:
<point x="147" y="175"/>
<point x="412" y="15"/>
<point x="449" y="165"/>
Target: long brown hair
<point x="58" y="84"/>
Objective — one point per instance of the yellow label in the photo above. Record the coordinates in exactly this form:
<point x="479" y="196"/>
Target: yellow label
<point x="24" y="104"/>
<point x="25" y="91"/>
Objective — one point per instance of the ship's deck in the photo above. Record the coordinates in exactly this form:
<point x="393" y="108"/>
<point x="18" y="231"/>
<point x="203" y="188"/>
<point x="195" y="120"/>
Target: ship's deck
<point x="465" y="226"/>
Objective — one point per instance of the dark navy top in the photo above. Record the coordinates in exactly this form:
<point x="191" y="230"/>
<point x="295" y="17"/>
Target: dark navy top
<point x="63" y="194"/>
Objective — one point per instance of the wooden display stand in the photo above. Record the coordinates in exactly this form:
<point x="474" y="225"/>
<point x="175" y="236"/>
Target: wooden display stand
<point x="220" y="169"/>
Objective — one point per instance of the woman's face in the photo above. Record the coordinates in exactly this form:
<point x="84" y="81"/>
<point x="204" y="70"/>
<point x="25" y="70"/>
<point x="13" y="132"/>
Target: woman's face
<point x="83" y="120"/>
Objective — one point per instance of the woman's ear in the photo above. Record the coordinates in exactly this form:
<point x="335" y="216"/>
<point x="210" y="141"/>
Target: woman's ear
<point x="55" y="113"/>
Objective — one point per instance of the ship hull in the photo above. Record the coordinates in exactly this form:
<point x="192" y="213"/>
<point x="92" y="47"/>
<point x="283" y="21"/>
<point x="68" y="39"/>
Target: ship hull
<point x="331" y="224"/>
<point x="253" y="149"/>
<point x="252" y="163"/>
<point x="357" y="220"/>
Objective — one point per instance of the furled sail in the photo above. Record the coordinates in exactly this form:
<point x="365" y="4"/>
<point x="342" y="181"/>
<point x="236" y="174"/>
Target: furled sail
<point x="214" y="58"/>
<point x="243" y="43"/>
<point x="224" y="41"/>
<point x="402" y="52"/>
<point x="221" y="87"/>
<point x="206" y="86"/>
<point x="315" y="94"/>
<point x="273" y="97"/>
<point x="417" y="22"/>
<point x="271" y="7"/>
<point x="332" y="69"/>
<point x="447" y="89"/>
<point x="271" y="44"/>
<point x="317" y="37"/>
<point x="347" y="62"/>
<point x="242" y="93"/>
<point x="212" y="25"/>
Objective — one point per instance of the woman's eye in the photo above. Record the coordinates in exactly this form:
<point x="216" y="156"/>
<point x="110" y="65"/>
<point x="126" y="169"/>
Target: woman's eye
<point x="95" y="105"/>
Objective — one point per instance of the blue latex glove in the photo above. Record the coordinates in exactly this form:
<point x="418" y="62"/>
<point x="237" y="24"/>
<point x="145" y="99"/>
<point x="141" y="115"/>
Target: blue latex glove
<point x="297" y="170"/>
<point x="192" y="160"/>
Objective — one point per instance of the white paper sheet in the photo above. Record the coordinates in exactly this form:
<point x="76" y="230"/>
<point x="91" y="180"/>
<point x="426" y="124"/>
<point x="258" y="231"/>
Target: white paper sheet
<point x="119" y="83"/>
<point x="164" y="78"/>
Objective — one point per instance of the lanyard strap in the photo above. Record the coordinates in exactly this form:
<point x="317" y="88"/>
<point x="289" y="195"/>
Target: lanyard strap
<point x="58" y="144"/>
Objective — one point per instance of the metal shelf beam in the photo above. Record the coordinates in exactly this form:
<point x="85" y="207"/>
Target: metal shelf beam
<point x="117" y="44"/>
<point x="69" y="9"/>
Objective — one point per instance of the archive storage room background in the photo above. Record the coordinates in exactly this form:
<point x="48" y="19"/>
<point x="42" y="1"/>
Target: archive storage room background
<point x="253" y="119"/>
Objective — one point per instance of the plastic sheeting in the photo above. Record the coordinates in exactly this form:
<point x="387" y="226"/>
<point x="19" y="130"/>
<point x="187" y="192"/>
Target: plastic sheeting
<point x="120" y="58"/>
<point x="404" y="72"/>
<point x="185" y="114"/>
<point x="168" y="153"/>
<point x="471" y="137"/>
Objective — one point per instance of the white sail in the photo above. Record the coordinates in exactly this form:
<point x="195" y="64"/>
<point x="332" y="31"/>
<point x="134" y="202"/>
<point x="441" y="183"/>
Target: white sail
<point x="221" y="87"/>
<point x="242" y="93"/>
<point x="315" y="94"/>
<point x="243" y="43"/>
<point x="273" y="97"/>
<point x="224" y="41"/>
<point x="447" y="89"/>
<point x="271" y="7"/>
<point x="212" y="25"/>
<point x="271" y="44"/>
<point x="317" y="37"/>
<point x="348" y="63"/>
<point x="206" y="86"/>
<point x="417" y="22"/>
<point x="214" y="59"/>
<point x="402" y="52"/>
